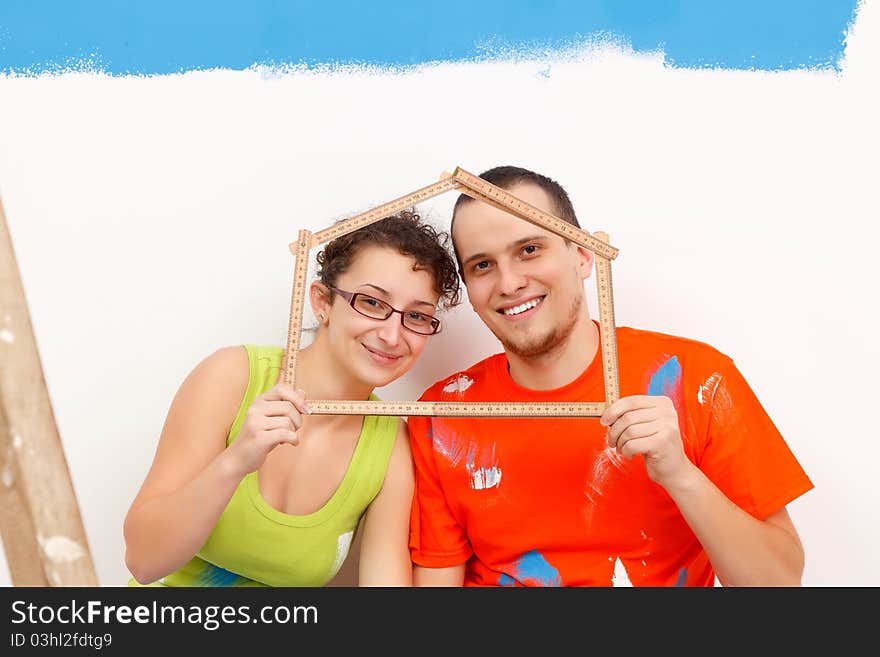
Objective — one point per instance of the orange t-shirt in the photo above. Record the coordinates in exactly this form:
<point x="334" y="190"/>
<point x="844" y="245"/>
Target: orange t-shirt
<point x="545" y="502"/>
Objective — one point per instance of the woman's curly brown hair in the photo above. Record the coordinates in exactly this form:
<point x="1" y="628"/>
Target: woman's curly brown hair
<point x="406" y="233"/>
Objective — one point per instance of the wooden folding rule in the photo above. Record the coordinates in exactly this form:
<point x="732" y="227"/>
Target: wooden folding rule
<point x="486" y="192"/>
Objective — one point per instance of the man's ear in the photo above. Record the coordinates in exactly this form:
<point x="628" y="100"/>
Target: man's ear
<point x="585" y="261"/>
<point x="319" y="297"/>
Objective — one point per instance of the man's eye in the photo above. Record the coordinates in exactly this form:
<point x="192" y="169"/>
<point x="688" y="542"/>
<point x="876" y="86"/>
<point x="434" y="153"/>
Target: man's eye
<point x="482" y="265"/>
<point x="530" y="249"/>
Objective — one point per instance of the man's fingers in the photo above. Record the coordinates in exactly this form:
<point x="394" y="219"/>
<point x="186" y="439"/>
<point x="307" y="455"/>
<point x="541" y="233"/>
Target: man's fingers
<point x="634" y="432"/>
<point x="639" y="416"/>
<point x="641" y="445"/>
<point x="624" y="405"/>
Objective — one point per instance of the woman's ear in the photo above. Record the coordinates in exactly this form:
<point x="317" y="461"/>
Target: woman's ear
<point x="319" y="297"/>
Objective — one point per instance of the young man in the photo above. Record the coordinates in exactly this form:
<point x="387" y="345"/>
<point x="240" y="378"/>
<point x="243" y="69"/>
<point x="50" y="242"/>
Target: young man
<point x="682" y="479"/>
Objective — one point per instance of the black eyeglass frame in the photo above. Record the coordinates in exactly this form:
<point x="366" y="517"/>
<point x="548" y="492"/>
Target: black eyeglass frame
<point x="351" y="298"/>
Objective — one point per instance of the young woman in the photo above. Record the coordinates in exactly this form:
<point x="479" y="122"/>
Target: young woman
<point x="248" y="489"/>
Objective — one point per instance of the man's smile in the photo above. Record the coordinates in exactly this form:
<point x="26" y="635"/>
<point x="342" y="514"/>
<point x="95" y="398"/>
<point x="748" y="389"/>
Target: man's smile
<point x="521" y="308"/>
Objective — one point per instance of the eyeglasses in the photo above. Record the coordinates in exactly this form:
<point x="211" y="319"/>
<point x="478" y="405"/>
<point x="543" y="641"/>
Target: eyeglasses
<point x="377" y="309"/>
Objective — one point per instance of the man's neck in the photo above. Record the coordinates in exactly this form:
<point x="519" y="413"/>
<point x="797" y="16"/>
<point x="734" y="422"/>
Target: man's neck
<point x="561" y="365"/>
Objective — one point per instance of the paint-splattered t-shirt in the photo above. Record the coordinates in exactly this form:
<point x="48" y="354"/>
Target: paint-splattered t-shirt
<point x="545" y="502"/>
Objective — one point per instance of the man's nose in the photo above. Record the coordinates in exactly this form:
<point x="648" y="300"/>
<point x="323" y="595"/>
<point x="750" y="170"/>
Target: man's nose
<point x="510" y="279"/>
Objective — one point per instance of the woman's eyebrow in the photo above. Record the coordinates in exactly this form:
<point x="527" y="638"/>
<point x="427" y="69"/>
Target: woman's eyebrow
<point x="387" y="294"/>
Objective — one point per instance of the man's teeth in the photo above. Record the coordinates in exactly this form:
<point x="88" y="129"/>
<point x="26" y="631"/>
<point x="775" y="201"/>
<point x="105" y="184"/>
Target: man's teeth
<point x="521" y="308"/>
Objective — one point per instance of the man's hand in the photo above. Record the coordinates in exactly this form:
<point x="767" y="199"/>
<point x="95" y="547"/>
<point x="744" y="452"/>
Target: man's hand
<point x="648" y="425"/>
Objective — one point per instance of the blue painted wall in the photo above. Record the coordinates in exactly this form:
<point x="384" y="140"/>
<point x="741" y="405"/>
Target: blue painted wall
<point x="123" y="37"/>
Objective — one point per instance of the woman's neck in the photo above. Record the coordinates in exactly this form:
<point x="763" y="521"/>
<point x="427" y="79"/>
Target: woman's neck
<point x="323" y="377"/>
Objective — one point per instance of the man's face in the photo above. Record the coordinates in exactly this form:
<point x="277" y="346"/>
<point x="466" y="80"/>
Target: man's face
<point x="524" y="282"/>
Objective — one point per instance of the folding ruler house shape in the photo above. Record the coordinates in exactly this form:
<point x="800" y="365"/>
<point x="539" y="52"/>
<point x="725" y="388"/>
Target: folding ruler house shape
<point x="486" y="192"/>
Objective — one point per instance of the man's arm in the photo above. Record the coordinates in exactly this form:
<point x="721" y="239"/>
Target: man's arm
<point x="744" y="550"/>
<point x="451" y="576"/>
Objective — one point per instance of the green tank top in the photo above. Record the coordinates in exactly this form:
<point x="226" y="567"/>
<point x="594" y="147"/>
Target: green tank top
<point x="254" y="544"/>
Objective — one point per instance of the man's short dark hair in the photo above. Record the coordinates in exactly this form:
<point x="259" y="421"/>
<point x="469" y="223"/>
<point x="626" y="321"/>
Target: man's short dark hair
<point x="507" y="177"/>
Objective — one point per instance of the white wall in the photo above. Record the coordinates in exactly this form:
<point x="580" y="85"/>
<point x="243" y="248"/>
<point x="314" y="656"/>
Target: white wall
<point x="151" y="218"/>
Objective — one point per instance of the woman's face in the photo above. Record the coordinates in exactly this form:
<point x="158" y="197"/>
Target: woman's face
<point x="379" y="351"/>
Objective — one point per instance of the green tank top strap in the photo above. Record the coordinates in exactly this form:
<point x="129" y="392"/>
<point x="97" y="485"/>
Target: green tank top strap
<point x="264" y="366"/>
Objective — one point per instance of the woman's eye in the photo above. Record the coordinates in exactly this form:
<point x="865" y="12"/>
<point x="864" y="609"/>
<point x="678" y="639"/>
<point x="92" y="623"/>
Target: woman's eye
<point x="482" y="265"/>
<point x="371" y="302"/>
<point x="530" y="249"/>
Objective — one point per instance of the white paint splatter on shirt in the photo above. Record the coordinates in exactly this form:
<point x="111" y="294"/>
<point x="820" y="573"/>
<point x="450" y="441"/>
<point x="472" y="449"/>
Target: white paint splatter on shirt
<point x="707" y="389"/>
<point x="620" y="576"/>
<point x="601" y="468"/>
<point x="448" y="444"/>
<point x="483" y="468"/>
<point x="342" y="545"/>
<point x="485" y="478"/>
<point x="459" y="384"/>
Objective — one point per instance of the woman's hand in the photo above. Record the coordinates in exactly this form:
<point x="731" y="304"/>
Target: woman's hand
<point x="273" y="419"/>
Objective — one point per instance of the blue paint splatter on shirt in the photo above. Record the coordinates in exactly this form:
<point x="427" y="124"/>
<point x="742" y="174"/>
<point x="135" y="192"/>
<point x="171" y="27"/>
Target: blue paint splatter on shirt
<point x="532" y="568"/>
<point x="667" y="379"/>
<point x="682" y="577"/>
<point x="215" y="576"/>
<point x="506" y="580"/>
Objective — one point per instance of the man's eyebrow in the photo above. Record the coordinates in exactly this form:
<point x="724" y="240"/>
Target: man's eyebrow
<point x="509" y="247"/>
<point x="387" y="294"/>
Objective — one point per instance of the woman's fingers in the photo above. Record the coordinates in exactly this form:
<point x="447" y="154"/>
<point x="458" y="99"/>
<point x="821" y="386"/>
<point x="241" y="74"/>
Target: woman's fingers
<point x="281" y="422"/>
<point x="281" y="436"/>
<point x="281" y="409"/>
<point x="275" y="416"/>
<point x="284" y="393"/>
